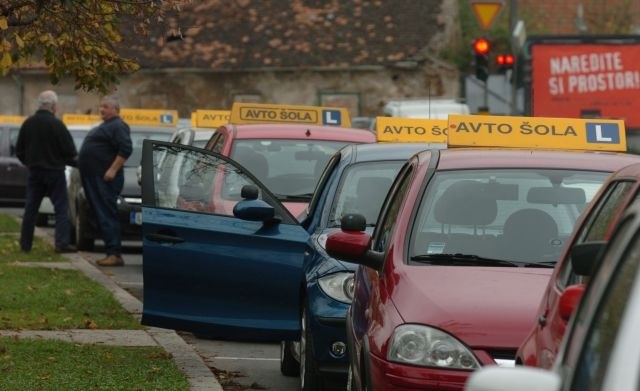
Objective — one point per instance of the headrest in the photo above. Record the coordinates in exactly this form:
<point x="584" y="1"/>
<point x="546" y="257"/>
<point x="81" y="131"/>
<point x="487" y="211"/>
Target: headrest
<point x="466" y="202"/>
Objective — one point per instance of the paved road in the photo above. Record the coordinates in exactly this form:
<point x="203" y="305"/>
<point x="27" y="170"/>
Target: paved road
<point x="238" y="366"/>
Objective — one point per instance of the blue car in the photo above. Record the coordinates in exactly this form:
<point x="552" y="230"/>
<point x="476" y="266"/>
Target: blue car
<point x="258" y="273"/>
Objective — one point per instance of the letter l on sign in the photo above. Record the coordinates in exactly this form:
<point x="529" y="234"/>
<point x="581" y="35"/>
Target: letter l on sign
<point x="599" y="135"/>
<point x="331" y="117"/>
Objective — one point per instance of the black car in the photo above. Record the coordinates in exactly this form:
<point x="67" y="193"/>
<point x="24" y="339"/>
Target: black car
<point x="129" y="203"/>
<point x="13" y="175"/>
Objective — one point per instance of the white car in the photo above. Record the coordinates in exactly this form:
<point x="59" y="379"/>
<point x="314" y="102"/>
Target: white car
<point x="600" y="347"/>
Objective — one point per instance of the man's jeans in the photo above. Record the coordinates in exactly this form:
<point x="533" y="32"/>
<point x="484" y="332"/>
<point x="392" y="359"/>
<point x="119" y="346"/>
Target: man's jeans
<point x="103" y="198"/>
<point x="43" y="182"/>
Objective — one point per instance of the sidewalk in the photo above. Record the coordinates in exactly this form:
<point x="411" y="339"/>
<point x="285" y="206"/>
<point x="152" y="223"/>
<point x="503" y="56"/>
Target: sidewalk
<point x="188" y="361"/>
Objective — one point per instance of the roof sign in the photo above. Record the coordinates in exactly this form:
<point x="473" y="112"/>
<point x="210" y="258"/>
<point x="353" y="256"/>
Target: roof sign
<point x="12" y="119"/>
<point x="411" y="130"/>
<point x="210" y="118"/>
<point x="258" y="113"/>
<point x="81" y="119"/>
<point x="536" y="132"/>
<point x="146" y="117"/>
<point x="486" y="11"/>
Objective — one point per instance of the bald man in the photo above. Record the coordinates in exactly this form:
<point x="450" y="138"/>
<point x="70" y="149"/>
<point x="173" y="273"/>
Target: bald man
<point x="45" y="146"/>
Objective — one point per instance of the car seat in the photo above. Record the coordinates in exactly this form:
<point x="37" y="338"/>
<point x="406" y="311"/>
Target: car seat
<point x="529" y="235"/>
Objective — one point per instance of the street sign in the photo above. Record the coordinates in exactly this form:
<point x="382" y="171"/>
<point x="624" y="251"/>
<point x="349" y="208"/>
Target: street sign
<point x="486" y="11"/>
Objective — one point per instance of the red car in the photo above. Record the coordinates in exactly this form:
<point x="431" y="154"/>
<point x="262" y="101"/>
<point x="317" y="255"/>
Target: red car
<point x="287" y="158"/>
<point x="462" y="251"/>
<point x="284" y="147"/>
<point x="567" y="281"/>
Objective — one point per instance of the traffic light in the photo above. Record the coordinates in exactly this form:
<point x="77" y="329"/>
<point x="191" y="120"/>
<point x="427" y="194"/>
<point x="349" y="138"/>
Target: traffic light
<point x="505" y="62"/>
<point x="481" y="48"/>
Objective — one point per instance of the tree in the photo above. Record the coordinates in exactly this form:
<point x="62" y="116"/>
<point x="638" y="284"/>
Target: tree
<point x="76" y="38"/>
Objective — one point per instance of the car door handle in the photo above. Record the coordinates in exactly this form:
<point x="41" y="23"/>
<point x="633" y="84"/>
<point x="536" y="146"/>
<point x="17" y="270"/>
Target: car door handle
<point x="164" y="238"/>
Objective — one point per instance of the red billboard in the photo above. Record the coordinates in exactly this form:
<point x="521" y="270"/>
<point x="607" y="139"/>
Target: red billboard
<point x="586" y="80"/>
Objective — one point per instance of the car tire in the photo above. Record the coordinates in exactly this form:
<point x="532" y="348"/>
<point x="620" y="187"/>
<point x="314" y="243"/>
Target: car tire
<point x="289" y="366"/>
<point x="309" y="376"/>
<point x="42" y="220"/>
<point x="83" y="242"/>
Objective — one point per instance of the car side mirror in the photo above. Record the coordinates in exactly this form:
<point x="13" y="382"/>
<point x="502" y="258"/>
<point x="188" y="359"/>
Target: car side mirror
<point x="585" y="257"/>
<point x="569" y="300"/>
<point x="251" y="208"/>
<point x="351" y="243"/>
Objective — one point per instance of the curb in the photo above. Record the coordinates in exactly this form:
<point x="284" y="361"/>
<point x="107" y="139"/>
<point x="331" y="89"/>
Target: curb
<point x="199" y="375"/>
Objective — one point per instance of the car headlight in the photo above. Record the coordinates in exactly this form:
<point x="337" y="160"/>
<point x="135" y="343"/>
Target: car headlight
<point x="425" y="346"/>
<point x="338" y="286"/>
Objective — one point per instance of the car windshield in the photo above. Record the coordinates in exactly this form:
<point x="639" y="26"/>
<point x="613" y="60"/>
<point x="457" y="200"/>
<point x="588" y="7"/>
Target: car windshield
<point x="137" y="138"/>
<point x="362" y="190"/>
<point x="289" y="168"/>
<point x="518" y="215"/>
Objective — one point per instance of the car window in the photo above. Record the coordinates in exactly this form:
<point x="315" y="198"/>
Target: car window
<point x="392" y="208"/>
<point x="200" y="182"/>
<point x="597" y="225"/>
<point x="326" y="174"/>
<point x="13" y="140"/>
<point x="521" y="215"/>
<point x="137" y="138"/>
<point x="602" y="329"/>
<point x="289" y="168"/>
<point x="362" y="189"/>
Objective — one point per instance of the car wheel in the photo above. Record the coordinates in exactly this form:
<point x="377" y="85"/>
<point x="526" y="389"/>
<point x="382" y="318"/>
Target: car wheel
<point x="83" y="242"/>
<point x="42" y="220"/>
<point x="289" y="366"/>
<point x="309" y="379"/>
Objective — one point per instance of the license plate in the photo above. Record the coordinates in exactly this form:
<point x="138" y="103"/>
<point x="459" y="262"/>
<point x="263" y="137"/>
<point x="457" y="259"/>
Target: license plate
<point x="135" y="218"/>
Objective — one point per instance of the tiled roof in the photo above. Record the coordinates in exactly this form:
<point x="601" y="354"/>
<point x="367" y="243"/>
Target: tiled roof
<point x="228" y="35"/>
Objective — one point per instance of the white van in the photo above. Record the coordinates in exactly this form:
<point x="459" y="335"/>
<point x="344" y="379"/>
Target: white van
<point x="435" y="108"/>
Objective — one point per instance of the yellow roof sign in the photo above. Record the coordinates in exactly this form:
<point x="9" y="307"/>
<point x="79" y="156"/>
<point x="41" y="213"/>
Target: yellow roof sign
<point x="12" y="119"/>
<point x="258" y="113"/>
<point x="486" y="12"/>
<point x="146" y="117"/>
<point x="536" y="132"/>
<point x="81" y="119"/>
<point x="210" y="118"/>
<point x="411" y="130"/>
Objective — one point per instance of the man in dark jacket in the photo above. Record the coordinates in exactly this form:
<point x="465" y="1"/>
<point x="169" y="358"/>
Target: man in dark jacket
<point x="102" y="155"/>
<point x="45" y="146"/>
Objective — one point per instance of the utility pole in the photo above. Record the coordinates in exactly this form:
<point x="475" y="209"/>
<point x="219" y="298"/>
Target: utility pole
<point x="513" y="19"/>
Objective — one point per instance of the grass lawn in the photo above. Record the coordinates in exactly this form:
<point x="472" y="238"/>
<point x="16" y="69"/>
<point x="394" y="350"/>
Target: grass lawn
<point x="27" y="365"/>
<point x="40" y="298"/>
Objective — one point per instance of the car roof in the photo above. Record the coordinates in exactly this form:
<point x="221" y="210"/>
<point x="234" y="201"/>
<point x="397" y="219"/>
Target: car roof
<point x="299" y="131"/>
<point x="383" y="151"/>
<point x="465" y="158"/>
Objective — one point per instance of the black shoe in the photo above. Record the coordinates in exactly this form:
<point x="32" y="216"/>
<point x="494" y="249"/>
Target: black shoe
<point x="65" y="250"/>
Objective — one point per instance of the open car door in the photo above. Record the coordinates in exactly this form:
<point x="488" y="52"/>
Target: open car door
<point x="221" y="256"/>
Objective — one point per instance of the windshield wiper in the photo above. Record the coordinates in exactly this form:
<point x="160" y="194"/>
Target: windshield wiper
<point x="461" y="260"/>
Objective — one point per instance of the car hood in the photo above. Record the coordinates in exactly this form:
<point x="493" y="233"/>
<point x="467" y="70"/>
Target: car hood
<point x="131" y="187"/>
<point x="485" y="307"/>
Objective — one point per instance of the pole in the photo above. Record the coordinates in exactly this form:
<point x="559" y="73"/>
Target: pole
<point x="513" y="19"/>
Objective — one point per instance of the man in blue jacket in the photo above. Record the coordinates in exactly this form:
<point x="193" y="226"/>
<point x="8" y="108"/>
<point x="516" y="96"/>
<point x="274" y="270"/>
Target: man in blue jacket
<point x="45" y="146"/>
<point x="102" y="156"/>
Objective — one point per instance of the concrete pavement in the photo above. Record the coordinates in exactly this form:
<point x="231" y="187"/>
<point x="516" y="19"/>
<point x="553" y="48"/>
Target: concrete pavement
<point x="198" y="373"/>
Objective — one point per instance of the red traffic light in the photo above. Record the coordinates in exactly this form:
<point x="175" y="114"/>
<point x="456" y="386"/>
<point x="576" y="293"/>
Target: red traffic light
<point x="481" y="46"/>
<point x="505" y="60"/>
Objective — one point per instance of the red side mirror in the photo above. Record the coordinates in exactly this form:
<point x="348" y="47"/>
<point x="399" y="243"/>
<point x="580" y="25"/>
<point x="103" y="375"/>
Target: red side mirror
<point x="569" y="300"/>
<point x="347" y="245"/>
